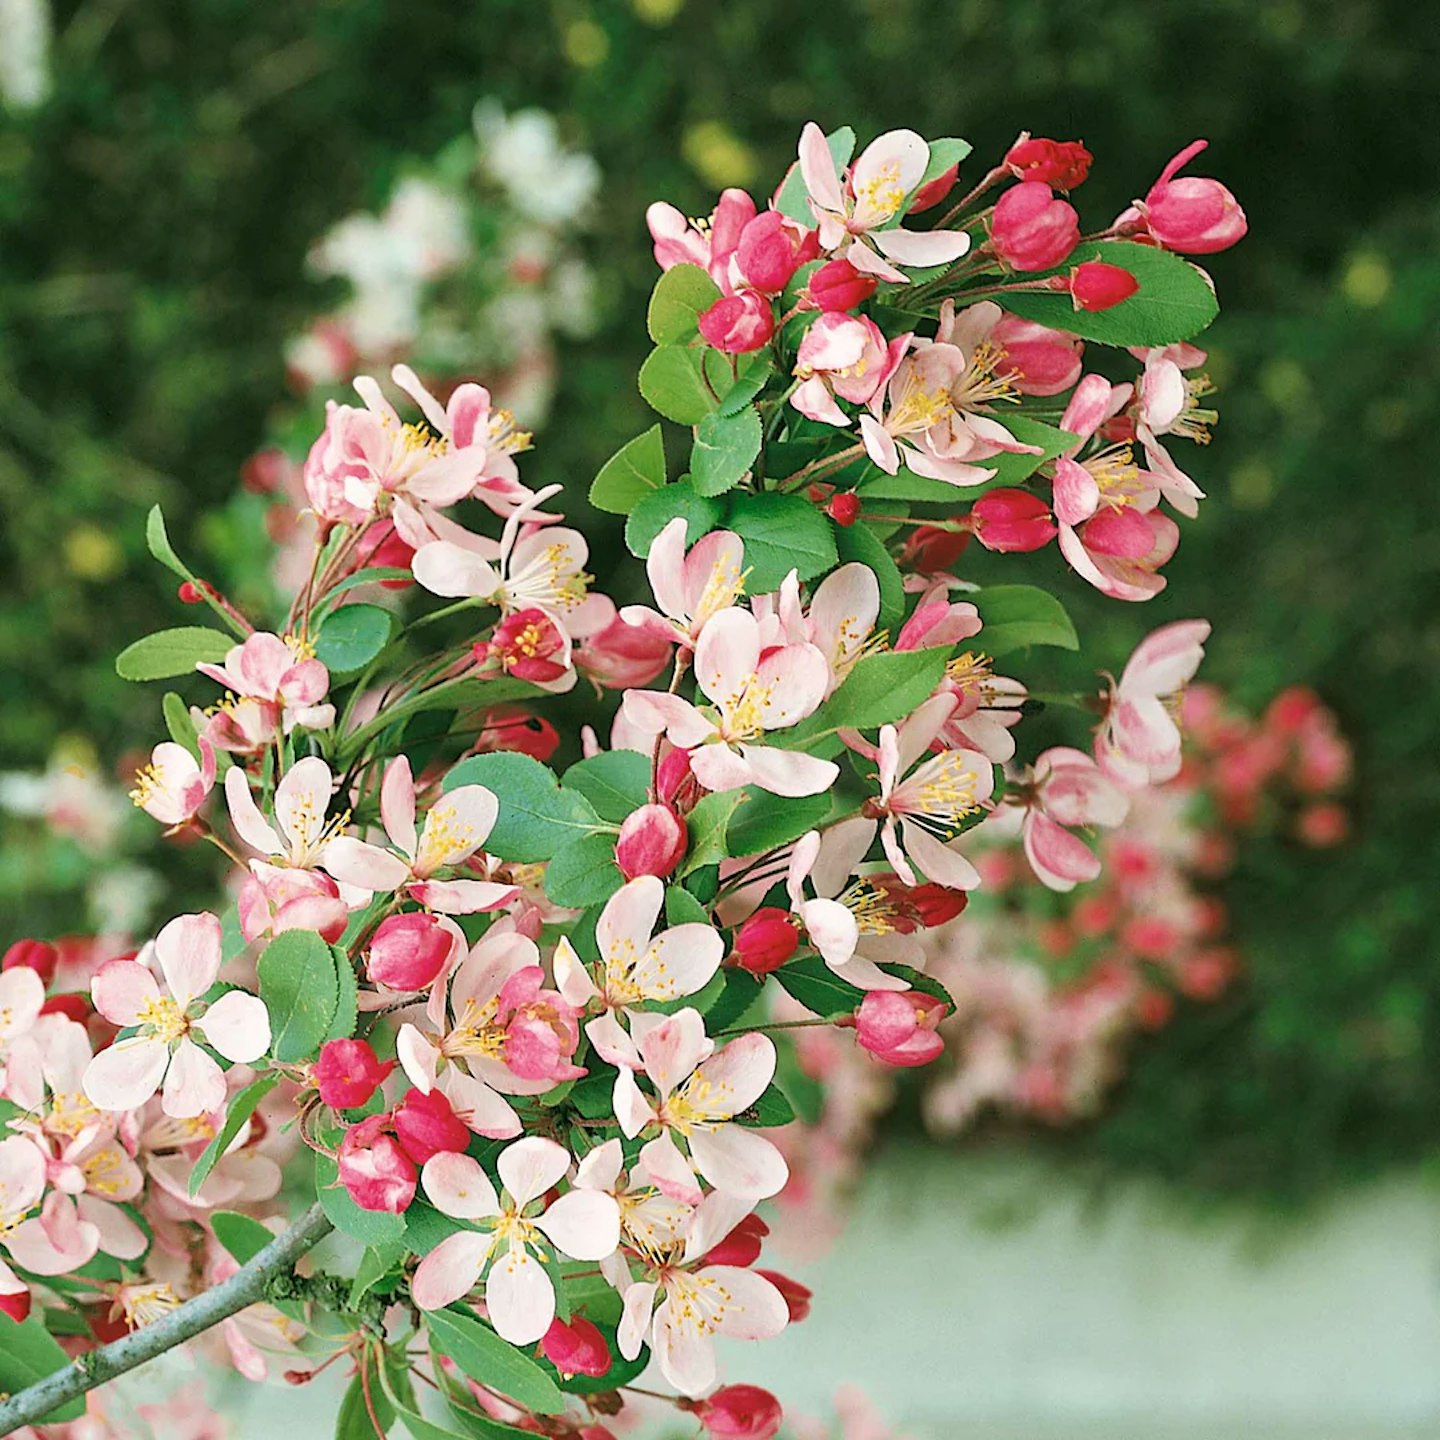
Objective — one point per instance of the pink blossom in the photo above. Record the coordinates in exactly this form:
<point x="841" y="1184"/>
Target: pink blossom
<point x="1011" y="521"/>
<point x="1194" y="216"/>
<point x="837" y="285"/>
<point x="302" y="800"/>
<point x="275" y="685"/>
<point x="1061" y="163"/>
<point x="1166" y="403"/>
<point x="766" y="940"/>
<point x="844" y="355"/>
<point x="129" y="1072"/>
<point x="622" y="655"/>
<point x="690" y="588"/>
<point x="410" y="952"/>
<point x="519" y="1234"/>
<point x="276" y="898"/>
<point x="22" y="996"/>
<point x="710" y="246"/>
<point x="426" y="1125"/>
<point x="1031" y="230"/>
<point x="1035" y="359"/>
<point x="737" y="324"/>
<point x="348" y="1072"/>
<point x="173" y="786"/>
<point x="1066" y="790"/>
<point x="900" y="1030"/>
<point x="876" y="189"/>
<point x="376" y="1172"/>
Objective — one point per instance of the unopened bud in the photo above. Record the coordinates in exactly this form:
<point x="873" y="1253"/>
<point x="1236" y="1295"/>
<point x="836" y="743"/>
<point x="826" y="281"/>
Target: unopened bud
<point x="652" y="842"/>
<point x="766" y="940"/>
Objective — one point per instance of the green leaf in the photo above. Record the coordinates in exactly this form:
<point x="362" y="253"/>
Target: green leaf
<point x="917" y="980"/>
<point x="615" y="782"/>
<point x="738" y="992"/>
<point x="681" y="295"/>
<point x="1174" y="301"/>
<point x="537" y="816"/>
<point x="28" y="1352"/>
<point x="494" y="1362"/>
<point x="1009" y="470"/>
<point x="583" y="872"/>
<point x="1016" y="616"/>
<point x="860" y="545"/>
<point x="879" y="689"/>
<point x="179" y="723"/>
<point x="818" y="988"/>
<point x="352" y="1420"/>
<point x="593" y="1096"/>
<point x="682" y="908"/>
<point x="426" y="1227"/>
<point x="351" y="637"/>
<point x="683" y="384"/>
<point x="656" y="510"/>
<point x="376" y="1263"/>
<point x="791" y="199"/>
<point x="371" y="1227"/>
<point x="172" y="652"/>
<point x="157" y="541"/>
<point x="943" y="154"/>
<point x="708" y="823"/>
<point x="781" y="533"/>
<point x="300" y="990"/>
<point x="371" y="575"/>
<point x="762" y="824"/>
<point x="772" y="1108"/>
<point x="241" y="1108"/>
<point x="725" y="449"/>
<point x="243" y="1236"/>
<point x="347" y="997"/>
<point x="752" y="373"/>
<point x="630" y="474"/>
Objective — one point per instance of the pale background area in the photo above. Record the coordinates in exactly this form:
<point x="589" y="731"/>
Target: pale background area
<point x="992" y="1296"/>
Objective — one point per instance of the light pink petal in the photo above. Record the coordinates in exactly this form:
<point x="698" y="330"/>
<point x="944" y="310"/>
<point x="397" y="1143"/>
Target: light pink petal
<point x="417" y="1056"/>
<point x="793" y="680"/>
<point x="397" y="805"/>
<point x="1058" y="858"/>
<point x="739" y="1162"/>
<point x="585" y="1224"/>
<point x="249" y="824"/>
<point x="126" y="1075"/>
<point x="921" y="247"/>
<point x="462" y="897"/>
<point x="572" y="978"/>
<point x="623" y="930"/>
<point x="519" y="1297"/>
<point x="121" y="990"/>
<point x="680" y="961"/>
<point x="238" y="1026"/>
<point x="685" y="1354"/>
<point x="719" y="768"/>
<point x="941" y="864"/>
<point x="832" y="929"/>
<point x="446" y="569"/>
<point x="478" y="1106"/>
<point x="1076" y="493"/>
<point x="756" y="1309"/>
<point x="713" y="571"/>
<point x="194" y="1083"/>
<point x="812" y="398"/>
<point x="891" y="166"/>
<point x="735" y="1077"/>
<point x="665" y="566"/>
<point x="55" y="1241"/>
<point x="1166" y="658"/>
<point x="1144" y="730"/>
<point x="817" y="167"/>
<point x="863" y="258"/>
<point x="1089" y="407"/>
<point x="633" y="1112"/>
<point x="301" y="800"/>
<point x="355" y="862"/>
<point x="457" y="1186"/>
<point x="669" y="1171"/>
<point x="635" y="1321"/>
<point x="118" y="1234"/>
<point x="842" y="848"/>
<point x="450" y="1270"/>
<point x="188" y="950"/>
<point x="530" y="1167"/>
<point x="843" y="612"/>
<point x="672" y="1049"/>
<point x="600" y="1169"/>
<point x="727" y="654"/>
<point x="880" y="445"/>
<point x="783" y="772"/>
<point x="22" y="1173"/>
<point x="458" y="824"/>
<point x="899" y="861"/>
<point x="655" y="713"/>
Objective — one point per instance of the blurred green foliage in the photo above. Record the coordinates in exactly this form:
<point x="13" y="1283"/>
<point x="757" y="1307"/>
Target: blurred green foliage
<point x="155" y="213"/>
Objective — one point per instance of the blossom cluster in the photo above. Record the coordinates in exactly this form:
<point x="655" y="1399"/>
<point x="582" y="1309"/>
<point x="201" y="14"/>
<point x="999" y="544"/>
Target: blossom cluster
<point x="523" y="1020"/>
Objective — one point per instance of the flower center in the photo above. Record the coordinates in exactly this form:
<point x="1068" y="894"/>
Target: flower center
<point x="883" y="194"/>
<point x="979" y="384"/>
<point x="164" y="1019"/>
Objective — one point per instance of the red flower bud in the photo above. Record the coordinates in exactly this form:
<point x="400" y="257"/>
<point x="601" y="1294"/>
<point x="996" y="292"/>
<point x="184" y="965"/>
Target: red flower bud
<point x="844" y="508"/>
<point x="73" y="1007"/>
<point x="738" y="324"/>
<point x="1097" y="286"/>
<point x="530" y="646"/>
<point x="675" y="782"/>
<point x="931" y="550"/>
<point x="1031" y="229"/>
<point x="507" y="727"/>
<point x="376" y="1173"/>
<point x="740" y="1412"/>
<point x="931" y="194"/>
<point x="348" y="1072"/>
<point x="407" y="952"/>
<point x="837" y="285"/>
<point x="16" y="1306"/>
<point x="898" y="1027"/>
<point x="576" y="1347"/>
<point x="741" y="1246"/>
<point x="1192" y="215"/>
<point x="383" y="545"/>
<point x="1061" y="163"/>
<point x="766" y="940"/>
<point x="266" y="471"/>
<point x="426" y="1125"/>
<point x="797" y="1296"/>
<point x="1012" y="520"/>
<point x="193" y="592"/>
<point x="652" y="842"/>
<point x="36" y="955"/>
<point x="772" y="249"/>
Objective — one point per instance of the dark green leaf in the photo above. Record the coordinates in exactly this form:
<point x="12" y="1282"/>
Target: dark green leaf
<point x="943" y="154"/>
<point x="179" y="723"/>
<point x="615" y="782"/>
<point x="879" y="689"/>
<point x="681" y="295"/>
<point x="347" y="997"/>
<point x="28" y="1353"/>
<point x="376" y="1263"/>
<point x="630" y="474"/>
<point x="351" y="637"/>
<point x="352" y="1421"/>
<point x="172" y="652"/>
<point x="1016" y="616"/>
<point x="818" y="988"/>
<point x="682" y="384"/>
<point x="583" y="872"/>
<point x="725" y="449"/>
<point x="708" y="823"/>
<point x="494" y="1362"/>
<point x="656" y="511"/>
<point x="682" y="908"/>
<point x="299" y="987"/>
<point x="738" y="992"/>
<point x="761" y="823"/>
<point x="241" y="1108"/>
<point x="781" y="533"/>
<point x="771" y="1109"/>
<point x="537" y="817"/>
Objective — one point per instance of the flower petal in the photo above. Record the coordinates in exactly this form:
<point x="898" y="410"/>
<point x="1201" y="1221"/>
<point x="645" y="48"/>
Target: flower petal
<point x="188" y="950"/>
<point x="238" y="1026"/>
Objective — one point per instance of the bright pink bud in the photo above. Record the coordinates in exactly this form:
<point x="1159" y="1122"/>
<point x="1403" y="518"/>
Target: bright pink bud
<point x="1061" y="163"/>
<point x="931" y="194"/>
<point x="1192" y="215"/>
<point x="1012" y="520"/>
<point x="36" y="955"/>
<point x="407" y="952"/>
<point x="838" y="285"/>
<point x="1031" y="229"/>
<point x="898" y="1027"/>
<point x="426" y="1125"/>
<point x="1037" y="360"/>
<point x="772" y="249"/>
<point x="376" y="1173"/>
<point x="348" y="1072"/>
<point x="1125" y="534"/>
<point x="919" y="906"/>
<point x="797" y="1296"/>
<point x="530" y="646"/>
<point x="189" y="593"/>
<point x="844" y="508"/>
<point x="738" y="324"/>
<point x="742" y="1245"/>
<point x="652" y="842"/>
<point x="508" y="727"/>
<point x="675" y="780"/>
<point x="766" y="940"/>
<point x="740" y="1412"/>
<point x="623" y="657"/>
<point x="576" y="1347"/>
<point x="1097" y="286"/>
<point x="16" y="1306"/>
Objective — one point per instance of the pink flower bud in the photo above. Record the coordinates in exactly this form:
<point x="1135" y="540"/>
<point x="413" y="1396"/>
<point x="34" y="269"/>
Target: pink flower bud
<point x="675" y="779"/>
<point x="1012" y="521"/>
<point x="738" y="324"/>
<point x="1061" y="163"/>
<point x="529" y="645"/>
<point x="1323" y="825"/>
<point x="1037" y="360"/>
<point x="1031" y="229"/>
<point x="383" y="545"/>
<point x="772" y="249"/>
<point x="407" y="952"/>
<point x="36" y="955"/>
<point x="844" y="508"/>
<point x="766" y="940"/>
<point x="742" y="1245"/>
<point x="740" y="1412"/>
<point x="931" y="550"/>
<point x="919" y="906"/>
<point x="266" y="471"/>
<point x="652" y="842"/>
<point x="1192" y="215"/>
<point x="930" y="195"/>
<point x="426" y="1125"/>
<point x="576" y="1347"/>
<point x="376" y="1173"/>
<point x="348" y="1072"/>
<point x="837" y="285"/>
<point x="508" y="727"/>
<point x="1097" y="286"/>
<point x="797" y="1296"/>
<point x="623" y="657"/>
<point x="898" y="1027"/>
